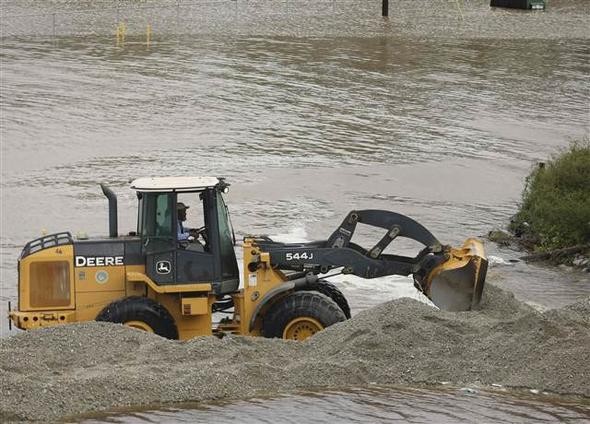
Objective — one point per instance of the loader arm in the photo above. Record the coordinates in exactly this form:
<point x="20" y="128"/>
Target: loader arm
<point x="452" y="278"/>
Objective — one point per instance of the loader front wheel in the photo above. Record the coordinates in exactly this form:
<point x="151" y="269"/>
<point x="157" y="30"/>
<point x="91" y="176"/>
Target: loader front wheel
<point x="300" y="315"/>
<point x="333" y="293"/>
<point x="141" y="313"/>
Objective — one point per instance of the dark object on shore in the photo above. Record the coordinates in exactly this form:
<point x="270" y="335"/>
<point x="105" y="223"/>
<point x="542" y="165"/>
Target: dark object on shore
<point x="501" y="237"/>
<point x="519" y="4"/>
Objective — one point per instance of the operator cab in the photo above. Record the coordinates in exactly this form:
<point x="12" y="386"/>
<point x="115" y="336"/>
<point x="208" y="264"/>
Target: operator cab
<point x="196" y="250"/>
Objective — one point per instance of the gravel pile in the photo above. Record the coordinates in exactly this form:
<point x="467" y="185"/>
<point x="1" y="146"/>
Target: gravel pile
<point x="505" y="342"/>
<point x="58" y="372"/>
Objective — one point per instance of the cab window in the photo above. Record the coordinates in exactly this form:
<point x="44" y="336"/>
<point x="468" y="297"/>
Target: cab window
<point x="229" y="267"/>
<point x="157" y="216"/>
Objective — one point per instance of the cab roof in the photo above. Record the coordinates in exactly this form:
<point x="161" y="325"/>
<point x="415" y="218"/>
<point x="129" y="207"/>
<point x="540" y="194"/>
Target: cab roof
<point x="176" y="183"/>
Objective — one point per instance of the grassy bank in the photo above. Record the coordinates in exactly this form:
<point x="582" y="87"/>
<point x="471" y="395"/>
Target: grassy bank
<point x="555" y="209"/>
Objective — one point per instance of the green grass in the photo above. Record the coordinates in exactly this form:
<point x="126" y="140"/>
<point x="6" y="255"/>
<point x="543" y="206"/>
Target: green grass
<point x="555" y="210"/>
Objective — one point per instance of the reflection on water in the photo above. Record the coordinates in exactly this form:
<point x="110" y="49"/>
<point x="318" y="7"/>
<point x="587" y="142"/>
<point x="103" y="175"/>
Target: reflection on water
<point x="378" y="405"/>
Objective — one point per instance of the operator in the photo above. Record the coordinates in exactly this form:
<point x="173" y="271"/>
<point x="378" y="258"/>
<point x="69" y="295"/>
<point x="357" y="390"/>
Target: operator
<point x="189" y="236"/>
<point x="184" y="234"/>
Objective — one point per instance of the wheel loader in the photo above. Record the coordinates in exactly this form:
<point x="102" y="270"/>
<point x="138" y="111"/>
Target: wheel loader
<point x="156" y="280"/>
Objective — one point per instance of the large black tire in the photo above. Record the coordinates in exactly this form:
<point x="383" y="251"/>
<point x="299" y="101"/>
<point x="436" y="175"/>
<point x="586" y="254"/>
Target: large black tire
<point x="143" y="313"/>
<point x="300" y="315"/>
<point x="333" y="293"/>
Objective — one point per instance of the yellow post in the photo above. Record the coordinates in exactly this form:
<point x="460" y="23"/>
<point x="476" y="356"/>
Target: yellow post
<point x="460" y="10"/>
<point x="123" y="31"/>
<point x="148" y="34"/>
<point x="120" y="33"/>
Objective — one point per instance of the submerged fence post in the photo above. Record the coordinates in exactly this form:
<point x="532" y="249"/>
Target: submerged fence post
<point x="120" y="33"/>
<point x="148" y="35"/>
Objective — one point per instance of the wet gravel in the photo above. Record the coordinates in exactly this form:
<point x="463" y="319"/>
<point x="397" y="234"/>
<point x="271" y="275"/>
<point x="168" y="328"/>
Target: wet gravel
<point x="58" y="372"/>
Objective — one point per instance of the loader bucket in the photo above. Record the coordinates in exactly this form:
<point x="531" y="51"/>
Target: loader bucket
<point x="457" y="283"/>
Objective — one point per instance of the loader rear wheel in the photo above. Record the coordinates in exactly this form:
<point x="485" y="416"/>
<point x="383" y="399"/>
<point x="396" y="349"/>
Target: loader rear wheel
<point x="333" y="293"/>
<point x="141" y="313"/>
<point x="300" y="315"/>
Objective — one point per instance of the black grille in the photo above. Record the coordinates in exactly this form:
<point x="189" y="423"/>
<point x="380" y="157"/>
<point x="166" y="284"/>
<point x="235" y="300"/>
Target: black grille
<point x="46" y="242"/>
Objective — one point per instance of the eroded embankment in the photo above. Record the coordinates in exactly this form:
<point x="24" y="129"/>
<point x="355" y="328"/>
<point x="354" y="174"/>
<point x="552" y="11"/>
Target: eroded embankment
<point x="56" y="372"/>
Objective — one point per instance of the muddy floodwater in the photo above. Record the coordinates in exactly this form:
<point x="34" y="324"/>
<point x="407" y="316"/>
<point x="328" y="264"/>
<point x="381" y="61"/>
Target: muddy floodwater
<point x="309" y="109"/>
<point x="376" y="405"/>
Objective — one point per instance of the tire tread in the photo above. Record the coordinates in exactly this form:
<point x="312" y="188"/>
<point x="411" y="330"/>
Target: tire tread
<point x="138" y="308"/>
<point x="298" y="304"/>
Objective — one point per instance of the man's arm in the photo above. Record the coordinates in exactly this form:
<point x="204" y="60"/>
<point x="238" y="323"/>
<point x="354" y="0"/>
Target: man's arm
<point x="182" y="235"/>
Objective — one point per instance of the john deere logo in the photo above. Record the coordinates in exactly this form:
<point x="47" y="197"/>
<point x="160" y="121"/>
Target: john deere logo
<point x="102" y="277"/>
<point x="163" y="267"/>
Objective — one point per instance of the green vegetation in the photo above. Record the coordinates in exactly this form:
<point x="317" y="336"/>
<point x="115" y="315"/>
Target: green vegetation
<point x="555" y="210"/>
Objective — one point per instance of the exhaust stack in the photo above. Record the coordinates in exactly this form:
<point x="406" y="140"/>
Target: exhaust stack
<point x="113" y="225"/>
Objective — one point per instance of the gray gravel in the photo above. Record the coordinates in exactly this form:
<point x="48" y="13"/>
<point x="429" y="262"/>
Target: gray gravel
<point x="58" y="372"/>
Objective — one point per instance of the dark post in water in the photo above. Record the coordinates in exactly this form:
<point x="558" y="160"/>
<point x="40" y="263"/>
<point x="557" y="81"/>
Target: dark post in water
<point x="385" y="8"/>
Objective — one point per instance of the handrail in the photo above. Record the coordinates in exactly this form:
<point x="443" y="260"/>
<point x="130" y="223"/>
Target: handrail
<point x="46" y="242"/>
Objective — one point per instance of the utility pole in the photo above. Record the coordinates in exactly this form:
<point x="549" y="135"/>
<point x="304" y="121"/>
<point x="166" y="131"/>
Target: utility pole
<point x="385" y="8"/>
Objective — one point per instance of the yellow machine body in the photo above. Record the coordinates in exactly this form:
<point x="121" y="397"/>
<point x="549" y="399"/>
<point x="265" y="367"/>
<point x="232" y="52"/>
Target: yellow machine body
<point x="53" y="291"/>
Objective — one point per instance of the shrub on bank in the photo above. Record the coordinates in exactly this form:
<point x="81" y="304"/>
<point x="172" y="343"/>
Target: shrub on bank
<point x="555" y="210"/>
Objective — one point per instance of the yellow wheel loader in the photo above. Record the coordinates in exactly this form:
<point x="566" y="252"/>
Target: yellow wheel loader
<point x="172" y="281"/>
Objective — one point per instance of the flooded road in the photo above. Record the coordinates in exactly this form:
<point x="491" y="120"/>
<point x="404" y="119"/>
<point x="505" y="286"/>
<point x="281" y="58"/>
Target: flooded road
<point x="308" y="113"/>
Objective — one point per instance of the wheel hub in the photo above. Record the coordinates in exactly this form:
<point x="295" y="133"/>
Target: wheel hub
<point x="302" y="328"/>
<point x="140" y="325"/>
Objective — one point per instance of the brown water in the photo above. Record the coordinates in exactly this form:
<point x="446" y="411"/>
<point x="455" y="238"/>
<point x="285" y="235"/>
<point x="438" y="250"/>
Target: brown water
<point x="377" y="405"/>
<point x="309" y="110"/>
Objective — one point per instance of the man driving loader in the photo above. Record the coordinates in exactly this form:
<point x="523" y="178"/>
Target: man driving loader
<point x="183" y="233"/>
<point x="156" y="280"/>
<point x="186" y="234"/>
